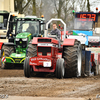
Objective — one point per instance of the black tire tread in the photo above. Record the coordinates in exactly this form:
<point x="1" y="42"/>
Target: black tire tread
<point x="8" y="50"/>
<point x="32" y="50"/>
<point x="27" y="71"/>
<point x="59" y="66"/>
<point x="70" y="55"/>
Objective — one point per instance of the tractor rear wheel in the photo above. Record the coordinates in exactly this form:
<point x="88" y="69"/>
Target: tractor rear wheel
<point x="73" y="60"/>
<point x="32" y="50"/>
<point x="60" y="68"/>
<point x="6" y="52"/>
<point x="27" y="68"/>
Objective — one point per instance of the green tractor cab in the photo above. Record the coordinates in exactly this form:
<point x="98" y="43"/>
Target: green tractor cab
<point x="15" y="51"/>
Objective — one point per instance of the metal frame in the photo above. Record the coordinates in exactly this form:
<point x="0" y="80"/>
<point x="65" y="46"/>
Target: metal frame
<point x="55" y="19"/>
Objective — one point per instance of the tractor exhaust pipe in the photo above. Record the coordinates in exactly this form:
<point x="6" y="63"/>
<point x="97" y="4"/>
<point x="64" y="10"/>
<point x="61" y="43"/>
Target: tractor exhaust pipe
<point x="45" y="33"/>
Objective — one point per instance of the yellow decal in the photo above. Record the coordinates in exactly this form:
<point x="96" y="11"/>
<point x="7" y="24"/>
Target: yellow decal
<point x="11" y="59"/>
<point x="29" y="35"/>
<point x="17" y="59"/>
<point x="22" y="60"/>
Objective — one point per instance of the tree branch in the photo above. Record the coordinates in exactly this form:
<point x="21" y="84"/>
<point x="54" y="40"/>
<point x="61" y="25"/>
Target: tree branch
<point x="55" y="5"/>
<point x="26" y="4"/>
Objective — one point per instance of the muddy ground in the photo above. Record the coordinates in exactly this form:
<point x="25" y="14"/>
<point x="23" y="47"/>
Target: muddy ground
<point x="13" y="83"/>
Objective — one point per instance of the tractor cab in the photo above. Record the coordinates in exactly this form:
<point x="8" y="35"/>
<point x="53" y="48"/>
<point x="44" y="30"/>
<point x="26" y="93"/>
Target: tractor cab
<point x="3" y="19"/>
<point x="83" y="24"/>
<point x="28" y="25"/>
<point x="5" y="16"/>
<point x="83" y="27"/>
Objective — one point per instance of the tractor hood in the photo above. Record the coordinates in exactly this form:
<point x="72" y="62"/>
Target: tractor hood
<point x="15" y="55"/>
<point x="23" y="35"/>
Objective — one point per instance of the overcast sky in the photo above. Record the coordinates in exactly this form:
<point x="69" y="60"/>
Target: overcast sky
<point x="94" y="4"/>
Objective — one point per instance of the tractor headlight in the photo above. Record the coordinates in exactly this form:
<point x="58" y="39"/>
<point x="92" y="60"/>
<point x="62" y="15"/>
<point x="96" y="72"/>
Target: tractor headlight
<point x="17" y="39"/>
<point x="25" y="39"/>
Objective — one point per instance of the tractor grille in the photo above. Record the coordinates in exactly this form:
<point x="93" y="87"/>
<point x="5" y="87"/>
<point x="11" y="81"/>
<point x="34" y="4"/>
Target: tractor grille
<point x="44" y="40"/>
<point x="21" y="43"/>
<point x="44" y="50"/>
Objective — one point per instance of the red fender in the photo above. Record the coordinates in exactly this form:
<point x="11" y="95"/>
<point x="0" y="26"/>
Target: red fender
<point x="1" y="43"/>
<point x="68" y="42"/>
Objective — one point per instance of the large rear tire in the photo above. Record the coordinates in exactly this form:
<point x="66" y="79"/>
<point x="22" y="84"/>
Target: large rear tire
<point x="6" y="52"/>
<point x="32" y="50"/>
<point x="73" y="60"/>
<point x="60" y="68"/>
<point x="27" y="68"/>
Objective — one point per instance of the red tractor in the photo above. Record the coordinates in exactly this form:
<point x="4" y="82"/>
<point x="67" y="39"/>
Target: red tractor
<point x="44" y="55"/>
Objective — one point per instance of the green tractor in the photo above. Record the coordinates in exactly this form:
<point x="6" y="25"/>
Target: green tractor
<point x="15" y="51"/>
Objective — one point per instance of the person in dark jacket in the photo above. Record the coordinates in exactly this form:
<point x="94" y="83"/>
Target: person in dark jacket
<point x="56" y="32"/>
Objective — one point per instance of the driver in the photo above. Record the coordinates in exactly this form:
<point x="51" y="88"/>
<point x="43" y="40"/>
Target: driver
<point x="83" y="26"/>
<point x="31" y="28"/>
<point x="56" y="32"/>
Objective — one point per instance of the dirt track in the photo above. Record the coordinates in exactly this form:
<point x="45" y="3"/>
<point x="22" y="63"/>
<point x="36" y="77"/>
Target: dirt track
<point x="13" y="82"/>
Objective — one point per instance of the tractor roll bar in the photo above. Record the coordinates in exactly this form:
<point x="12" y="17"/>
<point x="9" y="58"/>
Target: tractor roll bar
<point x="55" y="19"/>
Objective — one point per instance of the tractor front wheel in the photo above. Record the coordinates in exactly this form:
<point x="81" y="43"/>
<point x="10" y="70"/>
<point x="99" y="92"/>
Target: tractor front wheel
<point x="6" y="52"/>
<point x="60" y="68"/>
<point x="27" y="68"/>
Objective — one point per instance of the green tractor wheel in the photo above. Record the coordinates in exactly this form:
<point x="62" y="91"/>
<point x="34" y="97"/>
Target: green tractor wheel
<point x="6" y="52"/>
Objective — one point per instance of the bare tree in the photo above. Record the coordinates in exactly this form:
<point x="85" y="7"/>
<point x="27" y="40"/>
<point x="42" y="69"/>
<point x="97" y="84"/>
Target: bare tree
<point x="58" y="6"/>
<point x="34" y="7"/>
<point x="20" y="5"/>
<point x="88" y="5"/>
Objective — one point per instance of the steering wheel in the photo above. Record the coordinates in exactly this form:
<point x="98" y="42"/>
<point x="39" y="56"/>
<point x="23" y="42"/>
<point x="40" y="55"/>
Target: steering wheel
<point x="53" y="36"/>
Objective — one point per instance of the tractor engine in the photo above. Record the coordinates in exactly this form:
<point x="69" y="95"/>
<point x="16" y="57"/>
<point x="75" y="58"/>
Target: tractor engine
<point x="45" y="48"/>
<point x="21" y="41"/>
<point x="47" y="55"/>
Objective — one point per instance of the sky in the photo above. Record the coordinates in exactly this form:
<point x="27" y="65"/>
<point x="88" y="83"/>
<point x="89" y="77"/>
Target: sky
<point x="94" y="4"/>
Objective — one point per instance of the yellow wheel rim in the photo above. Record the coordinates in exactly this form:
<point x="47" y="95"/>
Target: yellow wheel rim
<point x="3" y="53"/>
